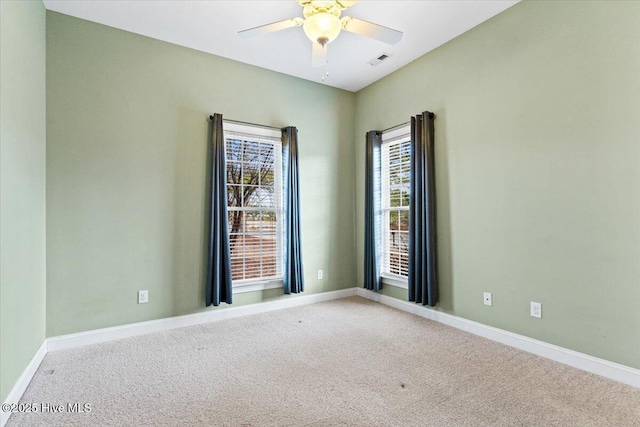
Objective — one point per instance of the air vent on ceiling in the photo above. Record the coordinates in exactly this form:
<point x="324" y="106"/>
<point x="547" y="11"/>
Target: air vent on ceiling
<point x="379" y="59"/>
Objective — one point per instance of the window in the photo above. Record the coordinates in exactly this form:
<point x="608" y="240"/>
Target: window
<point x="254" y="194"/>
<point x="396" y="168"/>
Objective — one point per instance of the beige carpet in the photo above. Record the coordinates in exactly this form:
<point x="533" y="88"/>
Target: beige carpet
<point x="348" y="362"/>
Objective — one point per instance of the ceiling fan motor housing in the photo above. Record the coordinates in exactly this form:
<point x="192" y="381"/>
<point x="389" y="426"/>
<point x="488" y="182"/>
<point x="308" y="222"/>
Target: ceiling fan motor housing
<point x="313" y="7"/>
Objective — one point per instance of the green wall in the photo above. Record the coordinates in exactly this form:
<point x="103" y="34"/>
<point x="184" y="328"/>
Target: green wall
<point x="127" y="125"/>
<point x="538" y="170"/>
<point x="22" y="187"/>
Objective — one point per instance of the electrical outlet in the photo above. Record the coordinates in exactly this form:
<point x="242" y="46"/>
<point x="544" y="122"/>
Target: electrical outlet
<point x="320" y="275"/>
<point x="488" y="299"/>
<point x="536" y="309"/>
<point x="143" y="297"/>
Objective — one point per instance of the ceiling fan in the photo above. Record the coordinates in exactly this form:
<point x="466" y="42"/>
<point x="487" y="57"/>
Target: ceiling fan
<point x="322" y="24"/>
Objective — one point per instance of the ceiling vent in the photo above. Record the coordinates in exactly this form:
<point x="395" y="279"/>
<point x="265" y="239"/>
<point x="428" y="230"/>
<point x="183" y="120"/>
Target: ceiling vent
<point x="379" y="59"/>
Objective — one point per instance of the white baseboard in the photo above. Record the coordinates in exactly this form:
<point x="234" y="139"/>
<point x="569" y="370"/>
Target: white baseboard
<point x="605" y="368"/>
<point x="578" y="360"/>
<point x="135" y="329"/>
<point x="21" y="385"/>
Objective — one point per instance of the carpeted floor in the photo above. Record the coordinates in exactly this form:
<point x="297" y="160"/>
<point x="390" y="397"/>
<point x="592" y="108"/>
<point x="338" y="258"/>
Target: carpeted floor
<point x="348" y="362"/>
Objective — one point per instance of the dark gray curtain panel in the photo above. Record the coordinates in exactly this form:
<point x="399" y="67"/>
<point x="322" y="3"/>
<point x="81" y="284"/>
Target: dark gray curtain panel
<point x="423" y="275"/>
<point x="372" y="211"/>
<point x="293" y="274"/>
<point x="218" y="286"/>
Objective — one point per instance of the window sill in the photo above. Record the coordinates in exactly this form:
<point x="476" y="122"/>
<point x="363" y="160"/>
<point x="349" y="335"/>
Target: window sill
<point x="243" y="286"/>
<point x="397" y="281"/>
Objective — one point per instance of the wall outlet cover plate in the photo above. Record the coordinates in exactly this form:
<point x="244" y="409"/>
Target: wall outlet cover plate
<point x="143" y="297"/>
<point x="488" y="299"/>
<point x="536" y="309"/>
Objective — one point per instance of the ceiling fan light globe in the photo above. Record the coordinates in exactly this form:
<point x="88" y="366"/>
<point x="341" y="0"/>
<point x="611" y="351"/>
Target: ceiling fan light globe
<point x="322" y="26"/>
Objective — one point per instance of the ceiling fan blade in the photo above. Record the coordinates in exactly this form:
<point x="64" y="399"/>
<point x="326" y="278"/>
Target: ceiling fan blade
<point x="369" y="29"/>
<point x="318" y="54"/>
<point x="270" y="28"/>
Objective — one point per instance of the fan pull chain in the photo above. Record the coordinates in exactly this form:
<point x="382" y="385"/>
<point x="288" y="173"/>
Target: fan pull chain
<point x="326" y="72"/>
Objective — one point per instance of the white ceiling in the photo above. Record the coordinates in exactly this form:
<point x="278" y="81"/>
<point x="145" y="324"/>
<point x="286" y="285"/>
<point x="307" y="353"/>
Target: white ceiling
<point x="212" y="26"/>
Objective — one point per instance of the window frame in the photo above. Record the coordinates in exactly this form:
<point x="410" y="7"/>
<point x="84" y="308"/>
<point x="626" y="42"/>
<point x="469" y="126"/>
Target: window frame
<point x="398" y="135"/>
<point x="262" y="134"/>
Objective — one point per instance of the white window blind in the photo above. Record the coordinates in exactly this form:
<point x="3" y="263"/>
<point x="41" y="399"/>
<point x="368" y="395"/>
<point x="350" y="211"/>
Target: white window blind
<point x="254" y="194"/>
<point x="396" y="168"/>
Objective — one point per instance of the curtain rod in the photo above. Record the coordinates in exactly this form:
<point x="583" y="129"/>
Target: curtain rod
<point x="247" y="123"/>
<point x="433" y="116"/>
<point x="396" y="126"/>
